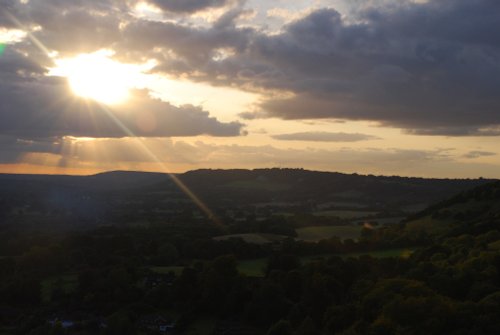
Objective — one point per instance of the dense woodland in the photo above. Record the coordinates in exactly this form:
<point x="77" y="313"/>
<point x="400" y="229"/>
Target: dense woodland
<point x="136" y="279"/>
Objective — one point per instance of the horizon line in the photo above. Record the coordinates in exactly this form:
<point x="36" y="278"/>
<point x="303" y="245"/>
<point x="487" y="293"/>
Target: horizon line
<point x="240" y="169"/>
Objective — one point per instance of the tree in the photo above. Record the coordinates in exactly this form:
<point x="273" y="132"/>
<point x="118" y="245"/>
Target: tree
<point x="167" y="254"/>
<point x="282" y="327"/>
<point x="120" y="324"/>
<point x="307" y="327"/>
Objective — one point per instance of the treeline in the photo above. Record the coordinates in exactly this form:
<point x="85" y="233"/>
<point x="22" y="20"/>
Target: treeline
<point x="449" y="286"/>
<point x="110" y="280"/>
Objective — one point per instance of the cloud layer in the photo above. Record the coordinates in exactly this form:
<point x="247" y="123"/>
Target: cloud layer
<point x="34" y="105"/>
<point x="427" y="67"/>
<point x="188" y="6"/>
<point x="45" y="107"/>
<point x="105" y="154"/>
<point x="324" y="137"/>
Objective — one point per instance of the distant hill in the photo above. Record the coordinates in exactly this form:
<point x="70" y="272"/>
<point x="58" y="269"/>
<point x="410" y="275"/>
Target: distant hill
<point x="290" y="185"/>
<point x="475" y="211"/>
<point x="259" y="185"/>
<point x="138" y="197"/>
<point x="110" y="181"/>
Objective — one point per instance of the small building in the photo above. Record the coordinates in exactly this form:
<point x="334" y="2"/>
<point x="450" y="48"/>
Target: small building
<point x="64" y="323"/>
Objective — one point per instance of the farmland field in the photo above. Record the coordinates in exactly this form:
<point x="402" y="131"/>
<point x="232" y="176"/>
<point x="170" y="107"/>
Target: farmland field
<point x="382" y="221"/>
<point x="253" y="268"/>
<point x="388" y="253"/>
<point x="401" y="253"/>
<point x="345" y="214"/>
<point x="257" y="267"/>
<point x="251" y="238"/>
<point x="323" y="232"/>
<point x="429" y="225"/>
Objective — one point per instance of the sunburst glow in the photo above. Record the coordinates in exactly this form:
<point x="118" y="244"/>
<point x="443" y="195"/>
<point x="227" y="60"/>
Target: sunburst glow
<point x="96" y="76"/>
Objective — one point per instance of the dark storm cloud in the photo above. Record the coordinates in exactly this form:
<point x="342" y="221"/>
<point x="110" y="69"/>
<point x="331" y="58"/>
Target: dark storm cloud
<point x="26" y="14"/>
<point x="35" y="106"/>
<point x="17" y="67"/>
<point x="8" y="10"/>
<point x="46" y="108"/>
<point x="324" y="137"/>
<point x="12" y="149"/>
<point x="184" y="49"/>
<point x="67" y="26"/>
<point x="430" y="68"/>
<point x="37" y="112"/>
<point x="188" y="6"/>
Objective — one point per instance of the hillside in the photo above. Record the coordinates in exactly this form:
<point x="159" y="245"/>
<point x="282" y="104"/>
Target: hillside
<point x="233" y="195"/>
<point x="472" y="212"/>
<point x="261" y="185"/>
<point x="437" y="274"/>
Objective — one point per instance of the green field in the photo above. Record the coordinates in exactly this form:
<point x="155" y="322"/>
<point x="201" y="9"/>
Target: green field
<point x="390" y="220"/>
<point x="428" y="225"/>
<point x="249" y="238"/>
<point x="345" y="214"/>
<point x="318" y="233"/>
<point x="401" y="253"/>
<point x="257" y="267"/>
<point x="389" y="253"/>
<point x="253" y="268"/>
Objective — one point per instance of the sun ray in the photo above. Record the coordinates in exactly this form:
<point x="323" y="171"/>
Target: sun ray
<point x="97" y="77"/>
<point x="143" y="146"/>
<point x="32" y="38"/>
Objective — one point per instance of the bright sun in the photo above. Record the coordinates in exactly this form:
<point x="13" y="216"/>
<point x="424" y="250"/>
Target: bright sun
<point x="96" y="76"/>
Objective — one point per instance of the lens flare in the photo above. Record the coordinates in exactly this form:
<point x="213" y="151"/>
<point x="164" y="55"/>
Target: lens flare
<point x="96" y="76"/>
<point x="148" y="151"/>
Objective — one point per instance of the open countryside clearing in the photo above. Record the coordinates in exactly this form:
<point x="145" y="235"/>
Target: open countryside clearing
<point x="317" y="233"/>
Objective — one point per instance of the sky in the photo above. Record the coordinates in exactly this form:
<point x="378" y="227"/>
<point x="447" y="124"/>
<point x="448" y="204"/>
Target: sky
<point x="384" y="87"/>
